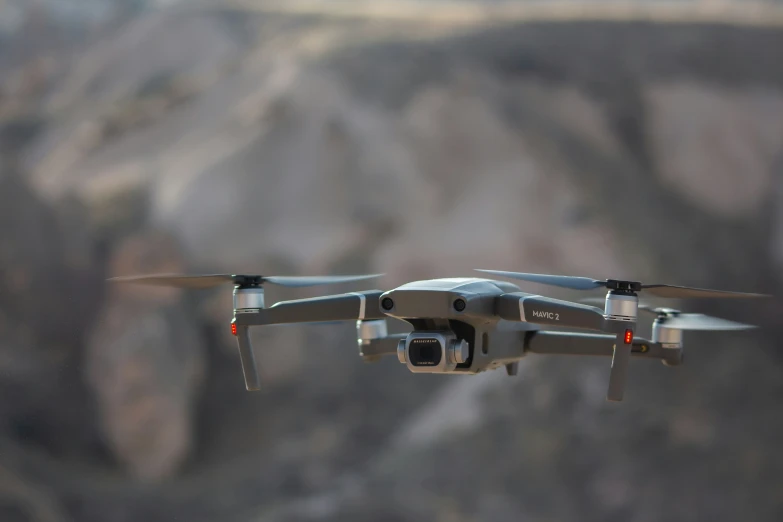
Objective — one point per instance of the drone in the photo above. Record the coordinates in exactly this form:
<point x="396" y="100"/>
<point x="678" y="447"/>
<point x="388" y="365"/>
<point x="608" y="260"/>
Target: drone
<point x="465" y="326"/>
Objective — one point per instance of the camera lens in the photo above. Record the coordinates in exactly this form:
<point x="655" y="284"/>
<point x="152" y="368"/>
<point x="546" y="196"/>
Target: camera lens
<point x="459" y="305"/>
<point x="425" y="352"/>
<point x="387" y="303"/>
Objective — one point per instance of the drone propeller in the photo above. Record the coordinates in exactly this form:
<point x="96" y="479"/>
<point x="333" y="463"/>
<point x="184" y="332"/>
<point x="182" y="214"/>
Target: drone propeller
<point x="677" y="320"/>
<point x="212" y="280"/>
<point x="586" y="283"/>
<point x="702" y="322"/>
<point x="668" y="327"/>
<point x="674" y="319"/>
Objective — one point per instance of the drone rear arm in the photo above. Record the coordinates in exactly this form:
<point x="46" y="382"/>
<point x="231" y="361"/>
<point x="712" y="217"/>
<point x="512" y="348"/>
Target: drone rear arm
<point x="568" y="343"/>
<point x="518" y="306"/>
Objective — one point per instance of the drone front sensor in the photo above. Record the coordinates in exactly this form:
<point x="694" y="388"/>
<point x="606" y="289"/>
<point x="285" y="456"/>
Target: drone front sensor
<point x="465" y="326"/>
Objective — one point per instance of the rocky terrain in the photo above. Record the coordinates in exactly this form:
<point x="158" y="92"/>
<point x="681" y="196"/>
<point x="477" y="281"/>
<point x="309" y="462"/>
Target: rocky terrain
<point x="236" y="139"/>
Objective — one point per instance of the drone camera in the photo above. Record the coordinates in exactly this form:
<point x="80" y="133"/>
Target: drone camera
<point x="432" y="352"/>
<point x="425" y="351"/>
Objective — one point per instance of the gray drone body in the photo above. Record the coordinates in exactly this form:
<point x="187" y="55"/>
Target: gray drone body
<point x="452" y="321"/>
<point x="462" y="319"/>
<point x="465" y="326"/>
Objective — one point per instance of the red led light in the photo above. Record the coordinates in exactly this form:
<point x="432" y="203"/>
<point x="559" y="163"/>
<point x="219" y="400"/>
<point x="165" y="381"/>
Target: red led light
<point x="233" y="328"/>
<point x="628" y="336"/>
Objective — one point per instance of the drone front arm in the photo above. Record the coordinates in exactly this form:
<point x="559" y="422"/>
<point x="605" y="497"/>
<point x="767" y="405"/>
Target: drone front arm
<point x="350" y="306"/>
<point x="247" y="358"/>
<point x="519" y="306"/>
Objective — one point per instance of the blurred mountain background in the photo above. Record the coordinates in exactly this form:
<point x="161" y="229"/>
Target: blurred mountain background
<point x="641" y="140"/>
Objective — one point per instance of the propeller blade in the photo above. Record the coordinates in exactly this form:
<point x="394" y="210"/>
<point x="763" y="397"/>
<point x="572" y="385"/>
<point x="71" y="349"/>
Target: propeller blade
<point x="177" y="280"/>
<point x="572" y="282"/>
<point x="676" y="319"/>
<point x="618" y="376"/>
<point x="212" y="280"/>
<point x="685" y="292"/>
<point x="660" y="310"/>
<point x="659" y="290"/>
<point x="703" y="322"/>
<point x="303" y="281"/>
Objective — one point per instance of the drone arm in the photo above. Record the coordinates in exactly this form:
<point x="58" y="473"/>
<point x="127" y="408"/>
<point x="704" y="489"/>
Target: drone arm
<point x="518" y="306"/>
<point x="342" y="307"/>
<point x="554" y="312"/>
<point x="247" y="359"/>
<point x="568" y="343"/>
<point x="374" y="349"/>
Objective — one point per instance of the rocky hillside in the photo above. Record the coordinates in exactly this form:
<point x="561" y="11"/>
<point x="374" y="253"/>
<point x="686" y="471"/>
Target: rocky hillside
<point x="251" y="140"/>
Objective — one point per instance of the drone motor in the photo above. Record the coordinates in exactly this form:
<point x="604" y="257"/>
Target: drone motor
<point x="621" y="306"/>
<point x="669" y="338"/>
<point x="248" y="298"/>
